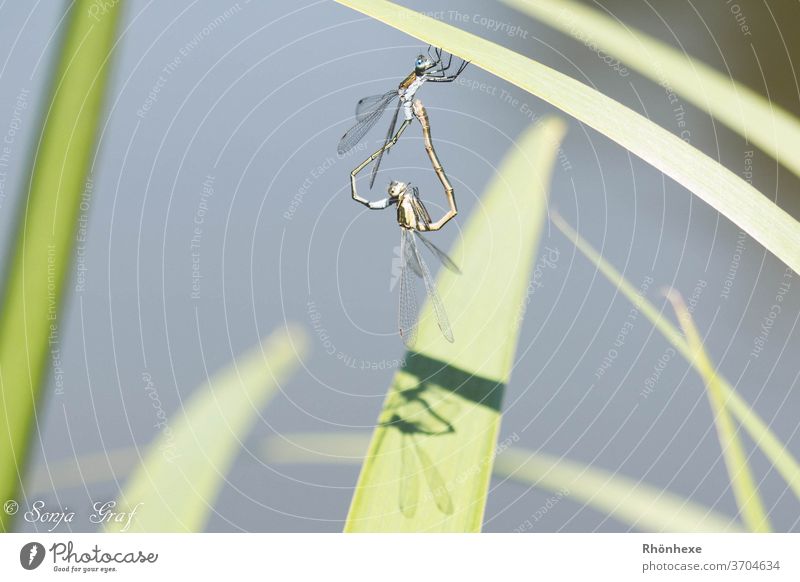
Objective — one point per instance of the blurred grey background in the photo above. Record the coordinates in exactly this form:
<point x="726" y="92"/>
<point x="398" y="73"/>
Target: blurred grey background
<point x="252" y="108"/>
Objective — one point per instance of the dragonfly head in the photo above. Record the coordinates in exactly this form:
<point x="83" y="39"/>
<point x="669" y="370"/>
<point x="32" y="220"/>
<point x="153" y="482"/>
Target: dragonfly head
<point x="423" y="64"/>
<point x="396" y="189"/>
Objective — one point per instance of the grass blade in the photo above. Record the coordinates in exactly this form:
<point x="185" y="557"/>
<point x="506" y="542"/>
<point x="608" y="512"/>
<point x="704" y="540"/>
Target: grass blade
<point x="177" y="490"/>
<point x="42" y="255"/>
<point x="445" y="403"/>
<point x="713" y="183"/>
<point x="780" y="457"/>
<point x="637" y="504"/>
<point x="751" y="115"/>
<point x="744" y="487"/>
<point x="643" y="506"/>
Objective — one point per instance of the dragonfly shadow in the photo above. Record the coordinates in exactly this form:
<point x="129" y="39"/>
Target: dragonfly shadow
<point x="467" y="385"/>
<point x="429" y="409"/>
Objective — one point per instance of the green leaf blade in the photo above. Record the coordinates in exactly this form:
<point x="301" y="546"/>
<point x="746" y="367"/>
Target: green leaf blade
<point x="745" y="206"/>
<point x="751" y="115"/>
<point x="445" y="404"/>
<point x="175" y="492"/>
<point x="751" y="508"/>
<point x="642" y="506"/>
<point x="45" y="240"/>
<point x="772" y="447"/>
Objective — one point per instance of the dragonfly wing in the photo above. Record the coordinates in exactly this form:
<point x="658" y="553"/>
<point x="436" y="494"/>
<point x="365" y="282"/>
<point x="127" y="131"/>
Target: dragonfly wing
<point x="389" y="135"/>
<point x="433" y="295"/>
<point x="369" y="104"/>
<point x="411" y="259"/>
<point x="407" y="314"/>
<point x="364" y="122"/>
<point x="436" y="484"/>
<point x="440" y="254"/>
<point x="409" y="486"/>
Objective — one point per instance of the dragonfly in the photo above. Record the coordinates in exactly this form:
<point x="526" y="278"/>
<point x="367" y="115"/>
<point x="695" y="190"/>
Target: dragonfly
<point x="370" y="109"/>
<point x="413" y="217"/>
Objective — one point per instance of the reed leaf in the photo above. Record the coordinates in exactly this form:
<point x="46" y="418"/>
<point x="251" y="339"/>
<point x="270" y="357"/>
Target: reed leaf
<point x="753" y="116"/>
<point x="429" y="463"/>
<point x="182" y="472"/>
<point x="710" y="181"/>
<point x="741" y="479"/>
<point x="776" y="451"/>
<point x="639" y="505"/>
<point x="43" y="247"/>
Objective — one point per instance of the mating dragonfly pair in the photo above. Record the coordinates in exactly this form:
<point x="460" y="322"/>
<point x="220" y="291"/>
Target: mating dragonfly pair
<point x="412" y="215"/>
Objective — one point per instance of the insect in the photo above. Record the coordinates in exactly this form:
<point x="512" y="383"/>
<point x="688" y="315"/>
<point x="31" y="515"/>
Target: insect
<point x="370" y="109"/>
<point x="413" y="218"/>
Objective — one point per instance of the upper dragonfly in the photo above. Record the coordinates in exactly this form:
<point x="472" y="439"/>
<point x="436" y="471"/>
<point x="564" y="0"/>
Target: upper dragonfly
<point x="370" y="109"/>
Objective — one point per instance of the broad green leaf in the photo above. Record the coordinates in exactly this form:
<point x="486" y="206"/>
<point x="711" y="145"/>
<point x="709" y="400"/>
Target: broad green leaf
<point x="716" y="185"/>
<point x="637" y="504"/>
<point x="744" y="486"/>
<point x="430" y="459"/>
<point x="754" y="117"/>
<point x="40" y="262"/>
<point x="175" y="486"/>
<point x="780" y="457"/>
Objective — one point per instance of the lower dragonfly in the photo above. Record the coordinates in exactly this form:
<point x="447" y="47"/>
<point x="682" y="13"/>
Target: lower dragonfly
<point x="370" y="109"/>
<point x="413" y="218"/>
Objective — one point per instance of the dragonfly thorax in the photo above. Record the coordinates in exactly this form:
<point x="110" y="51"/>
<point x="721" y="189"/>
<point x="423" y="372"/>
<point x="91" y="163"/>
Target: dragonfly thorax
<point x="411" y="212"/>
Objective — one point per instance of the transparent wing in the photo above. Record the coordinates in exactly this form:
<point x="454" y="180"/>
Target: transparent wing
<point x="411" y="259"/>
<point x="407" y="314"/>
<point x="365" y="119"/>
<point x="433" y="295"/>
<point x="372" y="103"/>
<point x="389" y="135"/>
<point x="440" y="254"/>
<point x="409" y="486"/>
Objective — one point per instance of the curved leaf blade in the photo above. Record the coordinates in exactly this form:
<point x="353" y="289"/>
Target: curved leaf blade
<point x="639" y="505"/>
<point x="45" y="239"/>
<point x="777" y="452"/>
<point x="446" y="401"/>
<point x="751" y="115"/>
<point x="723" y="190"/>
<point x="176" y="492"/>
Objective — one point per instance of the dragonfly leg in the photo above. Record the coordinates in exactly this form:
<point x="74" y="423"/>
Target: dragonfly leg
<point x="371" y="159"/>
<point x="441" y="77"/>
<point x="422" y="116"/>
